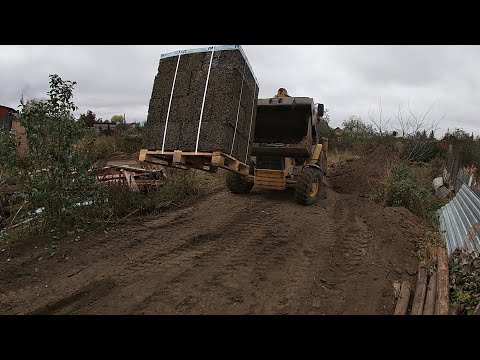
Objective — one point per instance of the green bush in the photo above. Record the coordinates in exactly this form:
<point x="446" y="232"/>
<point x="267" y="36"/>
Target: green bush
<point x="465" y="281"/>
<point x="59" y="189"/>
<point x="100" y="146"/>
<point x="401" y="186"/>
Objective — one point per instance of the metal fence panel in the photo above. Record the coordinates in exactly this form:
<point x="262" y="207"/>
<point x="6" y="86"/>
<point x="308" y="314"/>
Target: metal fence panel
<point x="460" y="221"/>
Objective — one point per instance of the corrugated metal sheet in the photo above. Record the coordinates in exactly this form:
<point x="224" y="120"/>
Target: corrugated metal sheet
<point x="460" y="221"/>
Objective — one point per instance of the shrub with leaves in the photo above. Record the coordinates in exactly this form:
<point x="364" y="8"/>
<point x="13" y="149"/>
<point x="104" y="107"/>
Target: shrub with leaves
<point x="402" y="187"/>
<point x="8" y="157"/>
<point x="465" y="281"/>
<point x="56" y="176"/>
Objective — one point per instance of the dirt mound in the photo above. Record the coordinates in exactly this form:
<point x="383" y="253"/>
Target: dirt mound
<point x="361" y="176"/>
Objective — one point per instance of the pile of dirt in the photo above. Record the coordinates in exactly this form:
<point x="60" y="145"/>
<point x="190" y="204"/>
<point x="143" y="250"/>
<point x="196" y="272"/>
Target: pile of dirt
<point x="230" y="82"/>
<point x="363" y="175"/>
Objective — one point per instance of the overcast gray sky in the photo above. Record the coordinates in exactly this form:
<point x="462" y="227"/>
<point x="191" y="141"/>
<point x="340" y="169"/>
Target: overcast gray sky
<point x="349" y="80"/>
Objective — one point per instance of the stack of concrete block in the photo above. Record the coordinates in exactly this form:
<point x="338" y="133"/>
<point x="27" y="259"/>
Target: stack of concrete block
<point x="206" y="101"/>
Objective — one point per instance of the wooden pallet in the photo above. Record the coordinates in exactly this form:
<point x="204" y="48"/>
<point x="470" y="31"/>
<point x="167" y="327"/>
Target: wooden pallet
<point x="207" y="161"/>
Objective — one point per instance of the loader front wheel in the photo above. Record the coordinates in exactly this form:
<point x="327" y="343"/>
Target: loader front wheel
<point x="238" y="184"/>
<point x="307" y="190"/>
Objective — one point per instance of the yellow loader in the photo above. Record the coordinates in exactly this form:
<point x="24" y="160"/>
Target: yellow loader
<point x="287" y="151"/>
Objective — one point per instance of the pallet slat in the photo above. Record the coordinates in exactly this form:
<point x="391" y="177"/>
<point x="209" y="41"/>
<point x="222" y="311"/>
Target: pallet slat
<point x="442" y="301"/>
<point x="403" y="299"/>
<point x="429" y="308"/>
<point x="201" y="160"/>
<point x="420" y="289"/>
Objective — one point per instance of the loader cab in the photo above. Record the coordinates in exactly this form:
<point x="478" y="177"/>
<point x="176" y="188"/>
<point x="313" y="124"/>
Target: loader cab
<point x="286" y="126"/>
<point x="286" y="151"/>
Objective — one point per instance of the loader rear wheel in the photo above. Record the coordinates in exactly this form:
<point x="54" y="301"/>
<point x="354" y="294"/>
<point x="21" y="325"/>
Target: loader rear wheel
<point x="307" y="190"/>
<point x="238" y="184"/>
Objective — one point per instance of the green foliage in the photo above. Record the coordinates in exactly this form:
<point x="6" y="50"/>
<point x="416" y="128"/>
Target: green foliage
<point x="465" y="281"/>
<point x="359" y="137"/>
<point x="56" y="176"/>
<point x="179" y="187"/>
<point x="436" y="167"/>
<point x="59" y="189"/>
<point x="99" y="146"/>
<point x="119" y="119"/>
<point x="88" y="119"/>
<point x="354" y="127"/>
<point x="8" y="157"/>
<point x="420" y="148"/>
<point x="470" y="147"/>
<point x="402" y="186"/>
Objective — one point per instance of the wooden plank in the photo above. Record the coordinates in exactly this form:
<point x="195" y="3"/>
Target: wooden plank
<point x="420" y="289"/>
<point x="142" y="155"/>
<point x="200" y="160"/>
<point x="269" y="173"/>
<point x="154" y="160"/>
<point x="171" y="153"/>
<point x="178" y="158"/>
<point x="429" y="308"/>
<point x="442" y="301"/>
<point x="131" y="181"/>
<point x="218" y="159"/>
<point x="243" y="169"/>
<point x="403" y="299"/>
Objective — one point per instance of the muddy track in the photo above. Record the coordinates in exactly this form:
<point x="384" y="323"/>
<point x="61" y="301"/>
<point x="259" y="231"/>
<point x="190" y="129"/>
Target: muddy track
<point x="227" y="254"/>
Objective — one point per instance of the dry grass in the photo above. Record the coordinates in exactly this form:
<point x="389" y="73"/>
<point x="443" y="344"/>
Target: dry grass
<point x="427" y="249"/>
<point x="337" y="157"/>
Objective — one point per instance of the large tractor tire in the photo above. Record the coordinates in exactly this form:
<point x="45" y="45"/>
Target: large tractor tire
<point x="307" y="189"/>
<point x="238" y="184"/>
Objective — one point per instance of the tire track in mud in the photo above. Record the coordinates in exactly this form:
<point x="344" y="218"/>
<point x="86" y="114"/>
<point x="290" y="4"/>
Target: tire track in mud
<point x="215" y="263"/>
<point x="208" y="248"/>
<point x="349" y="257"/>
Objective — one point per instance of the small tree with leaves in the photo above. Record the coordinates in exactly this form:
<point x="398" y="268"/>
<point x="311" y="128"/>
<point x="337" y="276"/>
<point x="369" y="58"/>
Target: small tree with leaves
<point x="356" y="128"/>
<point x="88" y="119"/>
<point x="119" y="119"/>
<point x="57" y="177"/>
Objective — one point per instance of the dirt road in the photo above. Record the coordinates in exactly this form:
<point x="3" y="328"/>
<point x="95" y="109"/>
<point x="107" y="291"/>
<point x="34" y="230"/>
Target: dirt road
<point x="227" y="254"/>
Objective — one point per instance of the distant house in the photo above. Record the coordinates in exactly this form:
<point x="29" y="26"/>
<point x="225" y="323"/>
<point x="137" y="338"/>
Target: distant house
<point x="104" y="126"/>
<point x="9" y="123"/>
<point x="337" y="131"/>
<point x="6" y="117"/>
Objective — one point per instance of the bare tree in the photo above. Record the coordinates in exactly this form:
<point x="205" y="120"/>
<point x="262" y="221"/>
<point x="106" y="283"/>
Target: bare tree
<point x="403" y="122"/>
<point x="380" y="123"/>
<point x="414" y="127"/>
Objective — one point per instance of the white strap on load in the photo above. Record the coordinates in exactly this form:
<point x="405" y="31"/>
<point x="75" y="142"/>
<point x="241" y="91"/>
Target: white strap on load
<point x="217" y="48"/>
<point x="238" y="109"/>
<point x="204" y="96"/>
<point x="251" y="121"/>
<point x="170" y="104"/>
